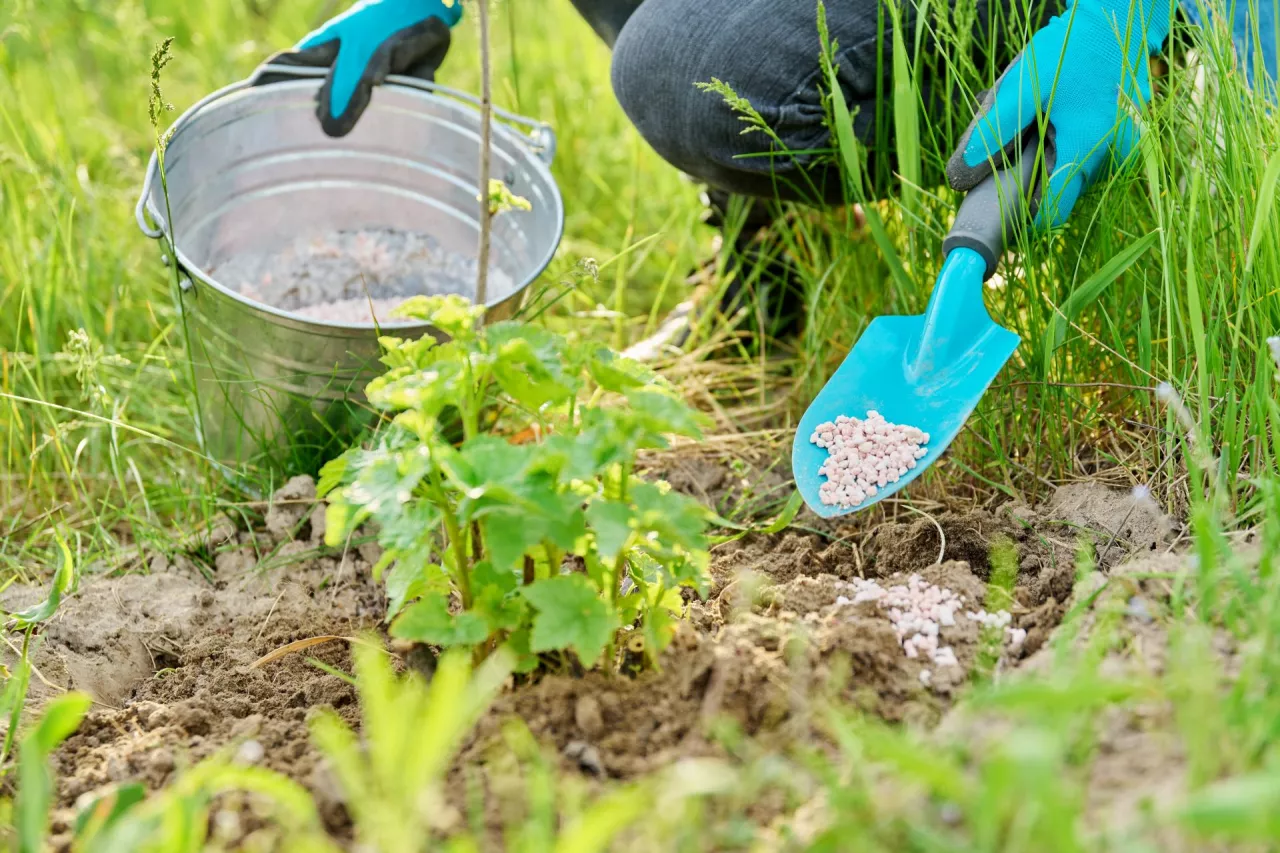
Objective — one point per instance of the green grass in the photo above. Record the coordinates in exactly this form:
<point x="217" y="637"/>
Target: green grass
<point x="1128" y="296"/>
<point x="122" y="467"/>
<point x="1157" y="278"/>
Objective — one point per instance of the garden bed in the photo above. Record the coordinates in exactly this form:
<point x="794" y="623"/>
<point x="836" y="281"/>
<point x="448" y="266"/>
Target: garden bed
<point x="170" y="654"/>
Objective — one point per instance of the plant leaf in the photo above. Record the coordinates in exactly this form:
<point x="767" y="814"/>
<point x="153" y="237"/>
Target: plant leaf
<point x="410" y="528"/>
<point x="332" y="474"/>
<point x="429" y="390"/>
<point x="410" y="578"/>
<point x="677" y="519"/>
<point x="64" y="581"/>
<point x="1089" y="291"/>
<point x="510" y="534"/>
<point x="615" y="373"/>
<point x="1240" y="808"/>
<point x="779" y="523"/>
<point x="429" y="621"/>
<point x="529" y="364"/>
<point x="61" y="717"/>
<point x="611" y="522"/>
<point x="492" y="597"/>
<point x="571" y="615"/>
<point x="11" y="702"/>
<point x="660" y="624"/>
<point x="452" y="314"/>
<point x="1263" y="211"/>
<point x="663" y="413"/>
<point x="106" y="809"/>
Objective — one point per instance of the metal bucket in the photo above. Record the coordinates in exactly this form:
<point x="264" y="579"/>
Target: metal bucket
<point x="249" y="169"/>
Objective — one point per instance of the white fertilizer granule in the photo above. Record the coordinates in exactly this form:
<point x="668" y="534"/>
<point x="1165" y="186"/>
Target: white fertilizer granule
<point x="865" y="456"/>
<point x="919" y="610"/>
<point x="335" y="276"/>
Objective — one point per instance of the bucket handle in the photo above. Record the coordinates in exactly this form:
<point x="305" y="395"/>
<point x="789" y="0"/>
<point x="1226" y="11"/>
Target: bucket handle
<point x="539" y="136"/>
<point x="153" y="167"/>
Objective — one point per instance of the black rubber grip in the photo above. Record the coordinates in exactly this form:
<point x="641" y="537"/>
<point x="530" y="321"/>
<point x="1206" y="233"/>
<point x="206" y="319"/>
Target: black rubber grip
<point x="991" y="210"/>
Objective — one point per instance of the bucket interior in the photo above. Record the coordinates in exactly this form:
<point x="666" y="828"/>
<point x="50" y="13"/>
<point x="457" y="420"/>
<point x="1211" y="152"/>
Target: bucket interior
<point x="258" y="192"/>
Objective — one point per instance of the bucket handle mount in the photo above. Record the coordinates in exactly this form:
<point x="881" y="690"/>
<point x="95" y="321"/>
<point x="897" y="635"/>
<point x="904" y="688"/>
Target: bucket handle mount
<point x="539" y="136"/>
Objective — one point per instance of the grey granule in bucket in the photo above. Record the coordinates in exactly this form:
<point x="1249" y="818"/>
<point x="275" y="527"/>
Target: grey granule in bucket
<point x="352" y="276"/>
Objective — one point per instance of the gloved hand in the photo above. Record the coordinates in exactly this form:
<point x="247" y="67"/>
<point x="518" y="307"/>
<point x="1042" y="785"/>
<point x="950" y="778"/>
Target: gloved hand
<point x="363" y="45"/>
<point x="1083" y="72"/>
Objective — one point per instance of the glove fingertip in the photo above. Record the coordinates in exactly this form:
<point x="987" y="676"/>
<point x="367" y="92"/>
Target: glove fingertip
<point x="337" y="126"/>
<point x="963" y="177"/>
<point x="338" y="123"/>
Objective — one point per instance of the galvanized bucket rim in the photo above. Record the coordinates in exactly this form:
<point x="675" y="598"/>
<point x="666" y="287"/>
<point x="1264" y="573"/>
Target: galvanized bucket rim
<point x="540" y="142"/>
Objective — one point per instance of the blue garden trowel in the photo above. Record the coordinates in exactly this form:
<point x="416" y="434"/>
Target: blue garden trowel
<point x="927" y="370"/>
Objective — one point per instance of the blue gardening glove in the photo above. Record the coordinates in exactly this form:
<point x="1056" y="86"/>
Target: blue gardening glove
<point x="363" y="45"/>
<point x="1083" y="72"/>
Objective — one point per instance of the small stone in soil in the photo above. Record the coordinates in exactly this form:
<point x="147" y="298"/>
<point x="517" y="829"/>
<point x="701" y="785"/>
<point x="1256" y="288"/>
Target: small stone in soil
<point x="864" y="456"/>
<point x="587" y="756"/>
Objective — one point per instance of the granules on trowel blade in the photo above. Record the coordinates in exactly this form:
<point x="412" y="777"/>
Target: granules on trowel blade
<point x="353" y="276"/>
<point x="865" y="456"/>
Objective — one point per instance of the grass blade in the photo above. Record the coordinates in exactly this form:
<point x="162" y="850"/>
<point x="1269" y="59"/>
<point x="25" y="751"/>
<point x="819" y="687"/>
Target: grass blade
<point x="1262" y="213"/>
<point x="1089" y="291"/>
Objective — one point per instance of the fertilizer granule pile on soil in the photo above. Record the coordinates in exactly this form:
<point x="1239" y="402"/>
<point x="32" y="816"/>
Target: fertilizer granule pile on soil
<point x="353" y="276"/>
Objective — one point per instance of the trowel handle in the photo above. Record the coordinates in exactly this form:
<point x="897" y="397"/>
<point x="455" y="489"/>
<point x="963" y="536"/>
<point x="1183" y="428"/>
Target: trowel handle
<point x="993" y="209"/>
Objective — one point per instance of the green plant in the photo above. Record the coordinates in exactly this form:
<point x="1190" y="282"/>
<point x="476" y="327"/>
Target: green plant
<point x="201" y="811"/>
<point x="394" y="781"/>
<point x="495" y="521"/>
<point x="35" y="783"/>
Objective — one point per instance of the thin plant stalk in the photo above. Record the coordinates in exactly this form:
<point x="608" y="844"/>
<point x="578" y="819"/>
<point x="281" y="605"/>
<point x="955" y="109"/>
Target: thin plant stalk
<point x="486" y="113"/>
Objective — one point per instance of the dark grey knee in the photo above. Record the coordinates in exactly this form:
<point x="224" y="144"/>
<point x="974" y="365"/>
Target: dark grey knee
<point x="767" y="52"/>
<point x="654" y="74"/>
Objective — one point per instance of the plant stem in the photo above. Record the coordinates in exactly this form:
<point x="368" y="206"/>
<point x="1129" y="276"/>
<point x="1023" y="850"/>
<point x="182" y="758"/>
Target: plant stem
<point x="624" y="482"/>
<point x="615" y="585"/>
<point x="615" y="588"/>
<point x="474" y="400"/>
<point x="486" y="113"/>
<point x="554" y="558"/>
<point x="458" y="543"/>
<point x="530" y="570"/>
<point x="477" y="543"/>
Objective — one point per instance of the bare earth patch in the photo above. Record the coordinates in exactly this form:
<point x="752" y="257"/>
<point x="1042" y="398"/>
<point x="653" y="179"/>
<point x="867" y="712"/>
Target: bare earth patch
<point x="168" y="655"/>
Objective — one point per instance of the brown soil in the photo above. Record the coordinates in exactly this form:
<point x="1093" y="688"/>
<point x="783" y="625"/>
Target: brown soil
<point x="1138" y="767"/>
<point x="168" y="655"/>
<point x="769" y="639"/>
